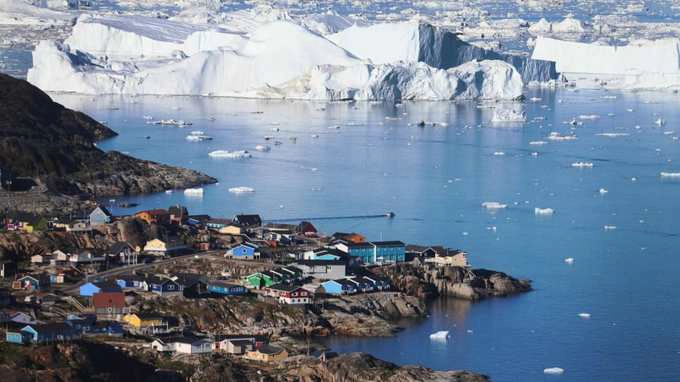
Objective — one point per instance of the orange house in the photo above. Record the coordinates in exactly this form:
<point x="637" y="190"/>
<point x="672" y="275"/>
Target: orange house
<point x="158" y="216"/>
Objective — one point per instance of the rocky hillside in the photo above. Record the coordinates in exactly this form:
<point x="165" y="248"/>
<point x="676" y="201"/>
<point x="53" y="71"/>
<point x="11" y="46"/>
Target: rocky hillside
<point x="55" y="146"/>
<point x="470" y="284"/>
<point x="350" y="367"/>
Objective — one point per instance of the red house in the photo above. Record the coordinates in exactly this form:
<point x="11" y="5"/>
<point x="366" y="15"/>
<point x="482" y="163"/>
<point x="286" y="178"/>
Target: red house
<point x="290" y="294"/>
<point x="109" y="305"/>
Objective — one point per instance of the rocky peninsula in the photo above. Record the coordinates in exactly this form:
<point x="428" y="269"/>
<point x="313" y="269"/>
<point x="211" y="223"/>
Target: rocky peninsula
<point x="49" y="159"/>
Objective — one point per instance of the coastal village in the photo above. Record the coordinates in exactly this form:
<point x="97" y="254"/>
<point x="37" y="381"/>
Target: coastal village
<point x="123" y="292"/>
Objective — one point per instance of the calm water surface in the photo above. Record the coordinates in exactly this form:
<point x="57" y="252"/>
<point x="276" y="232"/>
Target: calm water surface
<point x="435" y="179"/>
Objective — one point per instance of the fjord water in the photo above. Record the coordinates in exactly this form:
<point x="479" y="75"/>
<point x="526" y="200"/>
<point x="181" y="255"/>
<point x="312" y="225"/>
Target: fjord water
<point x="435" y="179"/>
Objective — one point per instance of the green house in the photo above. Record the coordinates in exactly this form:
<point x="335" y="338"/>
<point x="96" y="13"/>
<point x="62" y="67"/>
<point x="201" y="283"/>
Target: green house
<point x="261" y="279"/>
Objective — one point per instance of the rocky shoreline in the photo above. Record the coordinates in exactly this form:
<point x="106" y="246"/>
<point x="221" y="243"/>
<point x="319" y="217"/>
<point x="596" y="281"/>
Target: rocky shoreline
<point x="50" y="163"/>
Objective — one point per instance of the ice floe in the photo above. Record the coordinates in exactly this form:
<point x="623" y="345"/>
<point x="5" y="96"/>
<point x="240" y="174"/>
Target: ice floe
<point x="553" y="370"/>
<point x="569" y="260"/>
<point x="241" y="190"/>
<point x="494" y="205"/>
<point x="193" y="192"/>
<point x="674" y="175"/>
<point x="239" y="154"/>
<point x="543" y="211"/>
<point x="584" y="315"/>
<point x="441" y="335"/>
<point x="582" y="164"/>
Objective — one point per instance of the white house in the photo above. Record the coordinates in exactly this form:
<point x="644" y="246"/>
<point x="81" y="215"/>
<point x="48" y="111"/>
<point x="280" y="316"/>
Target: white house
<point x="184" y="345"/>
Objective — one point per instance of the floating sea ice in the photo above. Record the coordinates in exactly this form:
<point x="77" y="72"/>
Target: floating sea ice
<point x="584" y="315"/>
<point x="669" y="174"/>
<point x="498" y="153"/>
<point x="589" y="116"/>
<point x="441" y="335"/>
<point x="660" y="121"/>
<point x="263" y="148"/>
<point x="493" y="205"/>
<point x="537" y="143"/>
<point x="603" y="191"/>
<point x="543" y="211"/>
<point x="582" y="164"/>
<point x="555" y="136"/>
<point x="569" y="260"/>
<point x="168" y="191"/>
<point x="193" y="192"/>
<point x="315" y="135"/>
<point x="241" y="190"/>
<point x="469" y="331"/>
<point x="239" y="154"/>
<point x="609" y="227"/>
<point x="553" y="370"/>
<point x="612" y="135"/>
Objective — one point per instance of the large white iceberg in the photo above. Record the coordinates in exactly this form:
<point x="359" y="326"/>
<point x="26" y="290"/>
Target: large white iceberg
<point x="641" y="64"/>
<point x="280" y="59"/>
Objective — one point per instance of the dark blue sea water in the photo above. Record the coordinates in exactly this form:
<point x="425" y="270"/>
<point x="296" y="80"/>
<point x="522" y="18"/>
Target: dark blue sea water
<point x="435" y="179"/>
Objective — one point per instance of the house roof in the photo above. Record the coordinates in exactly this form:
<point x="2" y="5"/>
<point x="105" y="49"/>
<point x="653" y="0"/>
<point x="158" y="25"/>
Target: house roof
<point x="285" y="287"/>
<point x="156" y="212"/>
<point x="311" y="263"/>
<point x="119" y="246"/>
<point x="186" y="339"/>
<point x="270" y="350"/>
<point x="104" y="210"/>
<point x="223" y="283"/>
<point x="248" y="220"/>
<point x="109" y="299"/>
<point x="220" y="221"/>
<point x="393" y="243"/>
<point x="52" y="327"/>
<point x="107" y="286"/>
<point x="364" y="244"/>
<point x="343" y="282"/>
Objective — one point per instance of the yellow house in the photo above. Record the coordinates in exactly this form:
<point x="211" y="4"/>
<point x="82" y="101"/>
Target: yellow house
<point x="141" y="321"/>
<point x="267" y="353"/>
<point x="231" y="230"/>
<point x="26" y="227"/>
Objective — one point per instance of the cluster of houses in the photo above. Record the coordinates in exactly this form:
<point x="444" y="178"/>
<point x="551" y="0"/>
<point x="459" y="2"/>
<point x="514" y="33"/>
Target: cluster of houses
<point x="23" y="329"/>
<point x="311" y="266"/>
<point x="253" y="347"/>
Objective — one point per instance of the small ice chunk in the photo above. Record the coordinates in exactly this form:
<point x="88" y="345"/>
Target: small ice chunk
<point x="588" y="116"/>
<point x="441" y="335"/>
<point x="660" y="121"/>
<point x="493" y="205"/>
<point x="537" y="143"/>
<point x="669" y="174"/>
<point x="239" y="154"/>
<point x="582" y="164"/>
<point x="609" y="227"/>
<point x="498" y="153"/>
<point x="193" y="192"/>
<point x="241" y="190"/>
<point x="263" y="148"/>
<point x="584" y="315"/>
<point x="553" y="370"/>
<point x="569" y="260"/>
<point x="603" y="191"/>
<point x="543" y="211"/>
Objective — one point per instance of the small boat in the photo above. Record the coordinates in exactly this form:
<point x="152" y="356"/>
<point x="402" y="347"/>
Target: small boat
<point x="390" y="215"/>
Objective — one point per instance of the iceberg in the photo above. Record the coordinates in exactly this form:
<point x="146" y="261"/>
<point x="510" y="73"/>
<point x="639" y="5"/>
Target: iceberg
<point x="194" y="192"/>
<point x="553" y="370"/>
<point x="241" y="190"/>
<point x="543" y="211"/>
<point x="493" y="205"/>
<point x="239" y="154"/>
<point x="277" y="60"/>
<point x="569" y="260"/>
<point x="674" y="175"/>
<point x="642" y="64"/>
<point x="435" y="46"/>
<point x="441" y="335"/>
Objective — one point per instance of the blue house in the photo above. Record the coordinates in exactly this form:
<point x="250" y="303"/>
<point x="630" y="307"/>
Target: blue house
<point x="244" y="251"/>
<point x="132" y="282"/>
<point x="99" y="216"/>
<point x="226" y="289"/>
<point x="339" y="287"/>
<point x="83" y="323"/>
<point x="376" y="252"/>
<point x="43" y="333"/>
<point x="92" y="288"/>
<point x="108" y="328"/>
<point x="389" y="251"/>
<point x="164" y="286"/>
